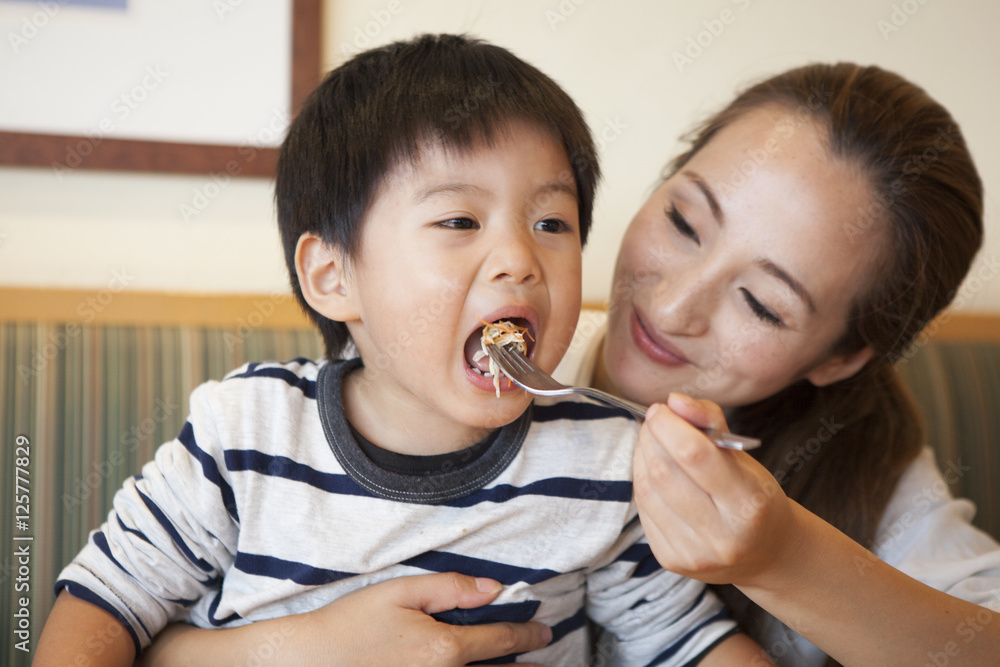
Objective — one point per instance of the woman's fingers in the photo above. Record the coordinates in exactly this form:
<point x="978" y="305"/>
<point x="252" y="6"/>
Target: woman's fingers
<point x="709" y="513"/>
<point x="483" y="642"/>
<point x="699" y="412"/>
<point x="680" y="517"/>
<point x="727" y="475"/>
<point x="433" y="593"/>
<point x="681" y="450"/>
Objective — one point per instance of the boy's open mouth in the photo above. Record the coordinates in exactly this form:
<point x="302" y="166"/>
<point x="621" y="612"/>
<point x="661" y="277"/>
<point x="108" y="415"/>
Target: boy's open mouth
<point x="478" y="360"/>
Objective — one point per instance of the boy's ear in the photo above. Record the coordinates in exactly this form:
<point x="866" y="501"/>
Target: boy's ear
<point x="839" y="367"/>
<point x="324" y="279"/>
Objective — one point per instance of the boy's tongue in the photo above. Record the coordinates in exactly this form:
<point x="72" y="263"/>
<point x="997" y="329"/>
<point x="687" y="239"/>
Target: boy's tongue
<point x="472" y="346"/>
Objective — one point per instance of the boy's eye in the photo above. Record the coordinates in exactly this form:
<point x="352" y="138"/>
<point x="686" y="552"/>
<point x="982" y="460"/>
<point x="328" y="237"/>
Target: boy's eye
<point x="760" y="310"/>
<point x="681" y="224"/>
<point x="552" y="226"/>
<point x="459" y="223"/>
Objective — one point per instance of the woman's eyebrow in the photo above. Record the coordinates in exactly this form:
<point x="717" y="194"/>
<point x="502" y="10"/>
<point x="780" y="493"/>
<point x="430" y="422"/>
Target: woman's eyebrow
<point x="713" y="203"/>
<point x="793" y="284"/>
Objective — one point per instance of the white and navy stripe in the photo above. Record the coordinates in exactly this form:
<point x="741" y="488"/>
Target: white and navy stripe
<point x="251" y="514"/>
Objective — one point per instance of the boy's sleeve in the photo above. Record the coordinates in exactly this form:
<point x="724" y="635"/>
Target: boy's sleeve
<point x="170" y="536"/>
<point x="653" y="616"/>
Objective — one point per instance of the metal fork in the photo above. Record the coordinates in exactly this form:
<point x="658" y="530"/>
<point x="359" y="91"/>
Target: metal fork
<point x="528" y="376"/>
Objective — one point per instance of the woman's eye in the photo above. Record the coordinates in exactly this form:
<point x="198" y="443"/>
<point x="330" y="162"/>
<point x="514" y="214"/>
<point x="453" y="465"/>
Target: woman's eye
<point x="682" y="225"/>
<point x="552" y="226"/>
<point x="459" y="223"/>
<point x="760" y="310"/>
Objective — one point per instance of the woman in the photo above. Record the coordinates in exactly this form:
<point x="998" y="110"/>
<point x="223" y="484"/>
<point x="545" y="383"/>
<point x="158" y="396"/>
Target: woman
<point x="811" y="231"/>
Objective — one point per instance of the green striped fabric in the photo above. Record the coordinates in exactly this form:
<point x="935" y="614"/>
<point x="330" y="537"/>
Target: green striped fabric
<point x="957" y="386"/>
<point x="94" y="402"/>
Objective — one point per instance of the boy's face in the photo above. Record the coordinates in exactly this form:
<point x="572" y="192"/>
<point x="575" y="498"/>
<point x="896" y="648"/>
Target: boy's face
<point x="491" y="233"/>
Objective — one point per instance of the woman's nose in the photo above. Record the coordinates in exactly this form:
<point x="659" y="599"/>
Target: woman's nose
<point x="682" y="303"/>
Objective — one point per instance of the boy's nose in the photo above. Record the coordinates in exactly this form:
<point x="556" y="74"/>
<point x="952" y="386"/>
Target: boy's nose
<point x="513" y="260"/>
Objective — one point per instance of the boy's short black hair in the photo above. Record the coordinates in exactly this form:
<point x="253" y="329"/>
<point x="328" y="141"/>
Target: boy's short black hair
<point x="378" y="108"/>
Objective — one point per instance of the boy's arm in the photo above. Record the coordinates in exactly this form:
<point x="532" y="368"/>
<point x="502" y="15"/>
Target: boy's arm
<point x="388" y="623"/>
<point x="738" y="649"/>
<point x="170" y="535"/>
<point x="79" y="633"/>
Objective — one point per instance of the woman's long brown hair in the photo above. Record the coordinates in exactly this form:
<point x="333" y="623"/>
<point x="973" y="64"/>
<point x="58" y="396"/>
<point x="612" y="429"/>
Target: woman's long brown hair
<point x="839" y="450"/>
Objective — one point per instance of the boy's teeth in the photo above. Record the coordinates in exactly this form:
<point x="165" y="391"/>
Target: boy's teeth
<point x="474" y="355"/>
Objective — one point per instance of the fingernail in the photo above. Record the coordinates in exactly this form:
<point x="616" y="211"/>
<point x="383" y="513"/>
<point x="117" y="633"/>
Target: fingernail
<point x="652" y="410"/>
<point x="683" y="398"/>
<point x="546" y="633"/>
<point x="484" y="585"/>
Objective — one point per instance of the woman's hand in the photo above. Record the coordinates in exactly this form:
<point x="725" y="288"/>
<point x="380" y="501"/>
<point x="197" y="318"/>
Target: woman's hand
<point x="383" y="624"/>
<point x="709" y="513"/>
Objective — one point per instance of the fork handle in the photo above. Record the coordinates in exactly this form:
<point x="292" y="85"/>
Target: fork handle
<point x="636" y="409"/>
<point x="720" y="438"/>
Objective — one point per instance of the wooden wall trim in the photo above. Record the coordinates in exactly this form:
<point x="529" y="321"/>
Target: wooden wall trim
<point x="25" y="149"/>
<point x="62" y="152"/>
<point x="280" y="311"/>
<point x="125" y="307"/>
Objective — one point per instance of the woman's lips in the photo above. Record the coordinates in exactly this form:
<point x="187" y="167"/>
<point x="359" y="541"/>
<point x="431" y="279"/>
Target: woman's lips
<point x="657" y="349"/>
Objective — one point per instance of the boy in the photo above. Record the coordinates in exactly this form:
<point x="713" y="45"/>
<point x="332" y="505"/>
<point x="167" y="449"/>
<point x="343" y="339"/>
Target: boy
<point x="425" y="187"/>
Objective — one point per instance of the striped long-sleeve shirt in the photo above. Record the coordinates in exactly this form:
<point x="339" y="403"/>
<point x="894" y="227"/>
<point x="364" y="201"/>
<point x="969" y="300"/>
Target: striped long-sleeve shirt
<point x="265" y="505"/>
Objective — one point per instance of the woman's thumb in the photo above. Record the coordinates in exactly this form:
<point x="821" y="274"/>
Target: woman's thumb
<point x="704" y="414"/>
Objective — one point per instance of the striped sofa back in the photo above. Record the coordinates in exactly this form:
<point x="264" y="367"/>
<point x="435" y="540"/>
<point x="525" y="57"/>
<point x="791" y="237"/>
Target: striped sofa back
<point x="95" y="401"/>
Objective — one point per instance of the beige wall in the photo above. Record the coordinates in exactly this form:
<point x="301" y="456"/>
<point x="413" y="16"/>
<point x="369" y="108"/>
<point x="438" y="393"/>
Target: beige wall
<point x="624" y="62"/>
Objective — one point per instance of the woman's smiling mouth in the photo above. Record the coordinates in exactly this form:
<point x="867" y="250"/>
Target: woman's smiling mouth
<point x="657" y="349"/>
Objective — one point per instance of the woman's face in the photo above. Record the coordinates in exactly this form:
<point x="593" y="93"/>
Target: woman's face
<point x="735" y="279"/>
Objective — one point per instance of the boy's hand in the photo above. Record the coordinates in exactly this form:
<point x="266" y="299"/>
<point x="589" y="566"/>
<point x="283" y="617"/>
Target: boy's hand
<point x="383" y="624"/>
